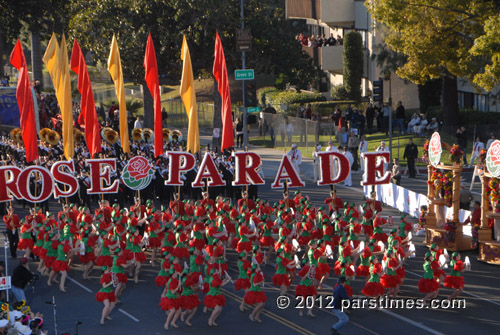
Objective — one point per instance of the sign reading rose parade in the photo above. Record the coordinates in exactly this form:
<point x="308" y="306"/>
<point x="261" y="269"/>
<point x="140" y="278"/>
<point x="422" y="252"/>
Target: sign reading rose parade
<point x="493" y="159"/>
<point x="138" y="173"/>
<point x="435" y="149"/>
<point x="60" y="180"/>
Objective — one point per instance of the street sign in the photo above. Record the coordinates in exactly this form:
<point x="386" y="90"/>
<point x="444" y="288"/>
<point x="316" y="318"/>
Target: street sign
<point x="5" y="283"/>
<point x="244" y="40"/>
<point x="243" y="74"/>
<point x="253" y="109"/>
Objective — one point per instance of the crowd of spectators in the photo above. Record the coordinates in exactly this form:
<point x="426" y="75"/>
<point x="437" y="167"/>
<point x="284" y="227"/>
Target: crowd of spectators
<point x="318" y="41"/>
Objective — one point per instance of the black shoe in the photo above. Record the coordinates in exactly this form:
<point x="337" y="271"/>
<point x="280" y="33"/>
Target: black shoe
<point x="334" y="331"/>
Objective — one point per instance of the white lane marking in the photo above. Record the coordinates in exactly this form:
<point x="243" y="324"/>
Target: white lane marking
<point x="414" y="323"/>
<point x="90" y="291"/>
<point x="464" y="292"/>
<point x="81" y="285"/>
<point x="129" y="315"/>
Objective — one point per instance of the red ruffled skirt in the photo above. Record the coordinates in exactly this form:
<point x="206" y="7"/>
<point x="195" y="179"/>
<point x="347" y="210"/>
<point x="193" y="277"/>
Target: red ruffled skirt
<point x="456" y="282"/>
<point x="49" y="261"/>
<point x="87" y="258"/>
<point x="428" y="285"/>
<point x="140" y="256"/>
<point x="368" y="229"/>
<point x="252" y="297"/>
<point x="122" y="278"/>
<point x="234" y="242"/>
<point x="60" y="266"/>
<point x="363" y="271"/>
<point x="401" y="273"/>
<point x="128" y="254"/>
<point x="389" y="281"/>
<point x="244" y="246"/>
<point x="242" y="284"/>
<point x="373" y="289"/>
<point x="380" y="237"/>
<point x="154" y="242"/>
<point x="25" y="243"/>
<point x="101" y="296"/>
<point x="181" y="252"/>
<point x="304" y="291"/>
<point x="167" y="304"/>
<point x="37" y="251"/>
<point x="104" y="260"/>
<point x="281" y="279"/>
<point x="439" y="273"/>
<point x="317" y="234"/>
<point x="198" y="244"/>
<point x="266" y="241"/>
<point x="323" y="269"/>
<point x="304" y="240"/>
<point x="211" y="301"/>
<point x="161" y="280"/>
<point x="337" y="268"/>
<point x="230" y="228"/>
<point x="189" y="301"/>
<point x="348" y="290"/>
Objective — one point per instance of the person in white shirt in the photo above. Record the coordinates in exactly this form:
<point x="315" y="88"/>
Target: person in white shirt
<point x="348" y="155"/>
<point x="476" y="150"/>
<point x="415" y="120"/>
<point x="420" y="128"/>
<point x="332" y="148"/>
<point x="363" y="147"/>
<point x="382" y="148"/>
<point x="490" y="140"/>
<point x="138" y="123"/>
<point x="316" y="165"/>
<point x="295" y="157"/>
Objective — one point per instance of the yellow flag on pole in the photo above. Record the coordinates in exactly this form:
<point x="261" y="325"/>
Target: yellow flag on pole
<point x="188" y="96"/>
<point x="56" y="60"/>
<point x="115" y="70"/>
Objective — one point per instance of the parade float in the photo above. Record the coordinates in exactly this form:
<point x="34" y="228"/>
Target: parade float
<point x="489" y="246"/>
<point x="443" y="190"/>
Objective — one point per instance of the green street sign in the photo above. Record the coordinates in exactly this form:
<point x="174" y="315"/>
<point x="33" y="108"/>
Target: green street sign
<point x="253" y="109"/>
<point x="243" y="74"/>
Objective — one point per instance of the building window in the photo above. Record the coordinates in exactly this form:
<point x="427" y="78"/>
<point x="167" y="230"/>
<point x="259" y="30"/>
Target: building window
<point x="469" y="100"/>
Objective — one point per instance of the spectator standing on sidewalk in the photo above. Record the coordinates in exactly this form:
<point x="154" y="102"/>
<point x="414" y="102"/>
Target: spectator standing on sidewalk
<point x="352" y="145"/>
<point x="476" y="150"/>
<point x="411" y="154"/>
<point x="400" y="118"/>
<point x="386" y="111"/>
<point x="462" y="141"/>
<point x="370" y="116"/>
<point x="380" y="117"/>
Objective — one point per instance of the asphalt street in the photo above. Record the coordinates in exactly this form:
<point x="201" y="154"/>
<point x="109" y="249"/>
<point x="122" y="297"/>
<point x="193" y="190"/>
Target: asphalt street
<point x="139" y="312"/>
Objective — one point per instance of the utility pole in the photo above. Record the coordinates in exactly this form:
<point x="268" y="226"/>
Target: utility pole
<point x="243" y="66"/>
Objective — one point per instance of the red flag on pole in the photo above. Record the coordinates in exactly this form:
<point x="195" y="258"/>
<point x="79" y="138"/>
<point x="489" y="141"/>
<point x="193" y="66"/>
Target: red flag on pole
<point x="154" y="87"/>
<point x="220" y="74"/>
<point x="25" y="102"/>
<point x="88" y="114"/>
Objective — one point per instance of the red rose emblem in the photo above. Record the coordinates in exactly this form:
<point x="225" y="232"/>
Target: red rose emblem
<point x="138" y="168"/>
<point x="495" y="153"/>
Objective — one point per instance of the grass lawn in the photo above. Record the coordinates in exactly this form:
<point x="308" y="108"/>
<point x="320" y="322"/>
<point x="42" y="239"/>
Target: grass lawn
<point x="398" y="143"/>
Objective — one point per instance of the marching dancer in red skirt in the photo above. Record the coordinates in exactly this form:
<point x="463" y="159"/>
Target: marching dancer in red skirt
<point x="455" y="279"/>
<point x="373" y="288"/>
<point x="171" y="301"/>
<point x="428" y="284"/>
<point x="106" y="294"/>
<point x="255" y="295"/>
<point x="214" y="299"/>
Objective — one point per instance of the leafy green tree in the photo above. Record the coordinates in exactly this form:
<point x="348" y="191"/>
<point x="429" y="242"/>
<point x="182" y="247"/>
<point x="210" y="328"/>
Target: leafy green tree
<point x="437" y="37"/>
<point x="353" y="64"/>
